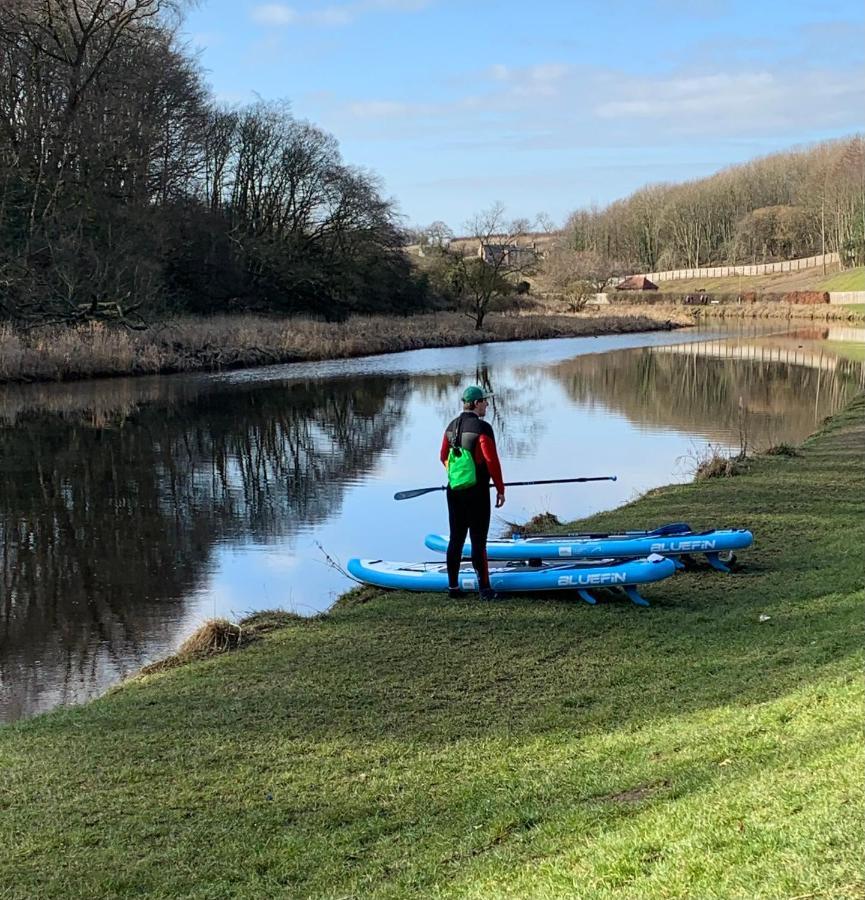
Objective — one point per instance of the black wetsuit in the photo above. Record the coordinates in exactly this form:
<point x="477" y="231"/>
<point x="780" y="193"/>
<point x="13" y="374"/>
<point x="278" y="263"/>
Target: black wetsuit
<point x="469" y="509"/>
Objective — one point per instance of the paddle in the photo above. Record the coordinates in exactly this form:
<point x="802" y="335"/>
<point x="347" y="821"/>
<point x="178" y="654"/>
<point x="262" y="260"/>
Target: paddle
<point x="417" y="492"/>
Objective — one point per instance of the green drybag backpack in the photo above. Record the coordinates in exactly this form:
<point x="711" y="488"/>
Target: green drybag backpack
<point x="462" y="473"/>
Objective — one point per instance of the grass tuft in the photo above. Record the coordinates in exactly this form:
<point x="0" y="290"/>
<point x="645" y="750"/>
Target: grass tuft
<point x="719" y="466"/>
<point x="265" y="621"/>
<point x="215" y="636"/>
<point x="782" y="450"/>
<point x="538" y="524"/>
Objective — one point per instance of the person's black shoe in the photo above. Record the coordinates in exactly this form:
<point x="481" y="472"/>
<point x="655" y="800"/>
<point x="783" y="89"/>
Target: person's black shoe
<point x="456" y="594"/>
<point x="490" y="594"/>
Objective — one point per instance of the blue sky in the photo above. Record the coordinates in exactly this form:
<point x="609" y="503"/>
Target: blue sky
<point x="546" y="106"/>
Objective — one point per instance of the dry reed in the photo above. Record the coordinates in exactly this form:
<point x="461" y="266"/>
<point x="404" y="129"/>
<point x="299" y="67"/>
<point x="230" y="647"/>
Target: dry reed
<point x="229" y="342"/>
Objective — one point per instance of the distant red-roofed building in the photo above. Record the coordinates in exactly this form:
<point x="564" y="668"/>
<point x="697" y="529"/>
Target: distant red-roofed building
<point x="636" y="283"/>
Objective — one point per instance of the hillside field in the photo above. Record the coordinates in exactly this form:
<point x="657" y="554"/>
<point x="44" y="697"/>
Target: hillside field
<point x="835" y="279"/>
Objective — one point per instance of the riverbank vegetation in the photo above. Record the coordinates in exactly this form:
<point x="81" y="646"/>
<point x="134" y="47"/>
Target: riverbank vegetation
<point x="408" y="745"/>
<point x="191" y="343"/>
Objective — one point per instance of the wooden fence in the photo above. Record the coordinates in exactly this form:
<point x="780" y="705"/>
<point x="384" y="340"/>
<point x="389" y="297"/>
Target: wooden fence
<point x="787" y="265"/>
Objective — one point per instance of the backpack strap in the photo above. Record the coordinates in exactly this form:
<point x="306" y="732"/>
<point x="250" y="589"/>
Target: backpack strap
<point x="456" y="440"/>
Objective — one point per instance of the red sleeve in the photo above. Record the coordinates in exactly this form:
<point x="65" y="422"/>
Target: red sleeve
<point x="443" y="453"/>
<point x="487" y="446"/>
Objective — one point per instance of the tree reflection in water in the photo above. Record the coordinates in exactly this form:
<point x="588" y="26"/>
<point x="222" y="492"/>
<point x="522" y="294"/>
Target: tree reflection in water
<point x="756" y="401"/>
<point x="107" y="527"/>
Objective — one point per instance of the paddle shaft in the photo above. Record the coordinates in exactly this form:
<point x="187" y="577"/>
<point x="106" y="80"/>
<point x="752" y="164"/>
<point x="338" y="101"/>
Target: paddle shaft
<point x="418" y="492"/>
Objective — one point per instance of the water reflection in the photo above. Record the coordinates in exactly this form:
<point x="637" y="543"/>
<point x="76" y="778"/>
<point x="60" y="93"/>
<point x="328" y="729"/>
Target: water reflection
<point x="107" y="524"/>
<point x="750" y="395"/>
<point x="130" y="510"/>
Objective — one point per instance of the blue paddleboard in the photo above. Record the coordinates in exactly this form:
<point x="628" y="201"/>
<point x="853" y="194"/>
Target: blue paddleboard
<point x="520" y="577"/>
<point x="670" y="540"/>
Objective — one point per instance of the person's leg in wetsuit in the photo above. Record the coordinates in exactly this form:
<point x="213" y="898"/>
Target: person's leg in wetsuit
<point x="468" y="514"/>
<point x="479" y="529"/>
<point x="458" y="523"/>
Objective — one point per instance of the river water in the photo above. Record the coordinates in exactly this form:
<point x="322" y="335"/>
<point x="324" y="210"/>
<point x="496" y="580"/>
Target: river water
<point x="132" y="510"/>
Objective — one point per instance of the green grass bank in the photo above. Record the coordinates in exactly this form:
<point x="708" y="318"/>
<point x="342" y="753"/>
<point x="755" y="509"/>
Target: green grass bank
<point x="409" y="746"/>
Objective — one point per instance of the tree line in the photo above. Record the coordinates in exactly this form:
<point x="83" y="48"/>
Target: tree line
<point x="787" y="205"/>
<point x="127" y="193"/>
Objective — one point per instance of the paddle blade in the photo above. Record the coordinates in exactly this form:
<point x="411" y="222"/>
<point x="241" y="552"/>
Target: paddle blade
<point x="417" y="492"/>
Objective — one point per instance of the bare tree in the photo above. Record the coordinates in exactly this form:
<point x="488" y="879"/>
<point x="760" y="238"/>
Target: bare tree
<point x="579" y="275"/>
<point x="563" y="277"/>
<point x="436" y="236"/>
<point x="502" y="256"/>
<point x="122" y="189"/>
<point x="99" y="122"/>
<point x="545" y="223"/>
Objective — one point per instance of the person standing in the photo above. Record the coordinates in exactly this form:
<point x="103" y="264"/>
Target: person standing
<point x="469" y="506"/>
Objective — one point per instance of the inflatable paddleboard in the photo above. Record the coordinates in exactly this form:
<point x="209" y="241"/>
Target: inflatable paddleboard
<point x="521" y="577"/>
<point x="676" y="539"/>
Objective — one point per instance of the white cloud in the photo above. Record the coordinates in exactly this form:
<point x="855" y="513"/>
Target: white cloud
<point x="274" y="14"/>
<point x="557" y="107"/>
<point x="733" y="104"/>
<point x="400" y="5"/>
<point x="545" y="73"/>
<point x="548" y="72"/>
<point x="379" y="109"/>
<point x="529" y="81"/>
<point x="665" y="97"/>
<point x="331" y="16"/>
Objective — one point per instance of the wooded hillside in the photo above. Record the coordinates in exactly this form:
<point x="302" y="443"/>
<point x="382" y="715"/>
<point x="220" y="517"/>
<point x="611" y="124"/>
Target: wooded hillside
<point x="783" y="206"/>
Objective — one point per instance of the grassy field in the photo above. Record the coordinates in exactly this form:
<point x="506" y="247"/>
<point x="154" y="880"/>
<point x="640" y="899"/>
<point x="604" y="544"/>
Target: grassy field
<point x="410" y="746"/>
<point x="848" y="349"/>
<point x="807" y="280"/>
<point x="848" y="280"/>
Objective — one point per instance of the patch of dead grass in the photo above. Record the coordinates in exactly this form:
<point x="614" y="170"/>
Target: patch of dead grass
<point x="215" y="636"/>
<point x="718" y="466"/>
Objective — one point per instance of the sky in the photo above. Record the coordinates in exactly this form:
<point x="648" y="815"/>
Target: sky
<point x="544" y="107"/>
